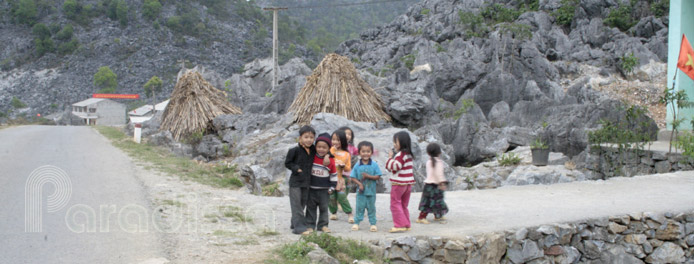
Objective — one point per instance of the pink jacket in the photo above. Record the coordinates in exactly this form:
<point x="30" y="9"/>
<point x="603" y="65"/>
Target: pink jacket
<point x="435" y="174"/>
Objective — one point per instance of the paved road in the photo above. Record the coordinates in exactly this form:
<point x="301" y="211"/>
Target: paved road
<point x="94" y="220"/>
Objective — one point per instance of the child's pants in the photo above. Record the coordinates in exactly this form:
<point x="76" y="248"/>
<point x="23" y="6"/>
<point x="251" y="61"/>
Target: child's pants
<point x="317" y="199"/>
<point x="365" y="203"/>
<point x="399" y="199"/>
<point x="339" y="197"/>
<point x="298" y="198"/>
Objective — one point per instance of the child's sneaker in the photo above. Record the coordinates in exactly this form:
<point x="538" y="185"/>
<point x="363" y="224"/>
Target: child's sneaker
<point x="422" y="221"/>
<point x="333" y="217"/>
<point x="309" y="229"/>
<point x="441" y="220"/>
<point x="350" y="219"/>
<point x="325" y="229"/>
<point x="373" y="228"/>
<point x="355" y="227"/>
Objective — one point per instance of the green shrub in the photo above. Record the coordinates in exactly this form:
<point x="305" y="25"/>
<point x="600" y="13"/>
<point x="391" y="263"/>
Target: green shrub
<point x="151" y="9"/>
<point x="509" y="159"/>
<point x="26" y="12"/>
<point x="41" y="31"/>
<point x="68" y="47"/>
<point x="439" y="48"/>
<point x="408" y="60"/>
<point x="6" y="64"/>
<point x="105" y="80"/>
<point x="685" y="142"/>
<point x="65" y="33"/>
<point x="75" y="11"/>
<point x="628" y="62"/>
<point x="517" y="31"/>
<point x="425" y="11"/>
<point x="16" y="103"/>
<point x="122" y="12"/>
<point x="467" y="105"/>
<point x="660" y="7"/>
<point x="499" y="13"/>
<point x="473" y="24"/>
<point x="620" y="18"/>
<point x="44" y="46"/>
<point x="565" y="14"/>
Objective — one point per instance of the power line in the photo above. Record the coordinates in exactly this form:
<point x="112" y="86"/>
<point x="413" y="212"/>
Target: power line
<point x="344" y="4"/>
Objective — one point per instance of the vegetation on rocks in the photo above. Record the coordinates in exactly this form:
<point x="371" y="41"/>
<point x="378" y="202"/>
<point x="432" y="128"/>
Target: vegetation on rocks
<point x="343" y="249"/>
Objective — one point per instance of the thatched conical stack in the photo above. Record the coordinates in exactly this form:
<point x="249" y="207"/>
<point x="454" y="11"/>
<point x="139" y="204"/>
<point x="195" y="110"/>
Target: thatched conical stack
<point x="335" y="87"/>
<point x="194" y="103"/>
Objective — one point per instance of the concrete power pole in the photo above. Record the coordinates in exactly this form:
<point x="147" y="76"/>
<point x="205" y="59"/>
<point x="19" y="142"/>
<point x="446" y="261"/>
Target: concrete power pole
<point x="275" y="44"/>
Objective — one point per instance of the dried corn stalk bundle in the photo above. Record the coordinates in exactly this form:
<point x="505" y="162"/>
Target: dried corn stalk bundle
<point x="194" y="104"/>
<point x="335" y="87"/>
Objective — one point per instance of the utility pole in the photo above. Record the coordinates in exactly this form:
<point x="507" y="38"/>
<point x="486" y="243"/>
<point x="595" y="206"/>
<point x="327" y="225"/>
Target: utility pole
<point x="275" y="44"/>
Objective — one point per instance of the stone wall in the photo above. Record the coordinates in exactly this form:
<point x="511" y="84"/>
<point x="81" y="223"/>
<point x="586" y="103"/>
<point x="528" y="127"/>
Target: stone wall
<point x="634" y="238"/>
<point x="605" y="162"/>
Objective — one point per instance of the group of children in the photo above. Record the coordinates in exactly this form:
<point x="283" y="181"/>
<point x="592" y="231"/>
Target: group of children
<point x="323" y="172"/>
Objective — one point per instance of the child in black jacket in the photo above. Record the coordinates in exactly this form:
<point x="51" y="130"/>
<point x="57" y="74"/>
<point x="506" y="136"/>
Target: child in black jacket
<point x="300" y="160"/>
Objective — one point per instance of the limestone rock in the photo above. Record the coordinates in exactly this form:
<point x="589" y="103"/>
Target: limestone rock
<point x="666" y="253"/>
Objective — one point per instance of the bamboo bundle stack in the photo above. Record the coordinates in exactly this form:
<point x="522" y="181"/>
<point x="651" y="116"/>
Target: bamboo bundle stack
<point x="335" y="87"/>
<point x="194" y="104"/>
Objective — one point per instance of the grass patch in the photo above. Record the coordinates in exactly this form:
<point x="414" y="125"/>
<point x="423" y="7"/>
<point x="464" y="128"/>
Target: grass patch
<point x="247" y="241"/>
<point x="173" y="203"/>
<point x="223" y="233"/>
<point x="235" y="213"/>
<point x="342" y="249"/>
<point x="272" y="190"/>
<point x="509" y="159"/>
<point x="221" y="176"/>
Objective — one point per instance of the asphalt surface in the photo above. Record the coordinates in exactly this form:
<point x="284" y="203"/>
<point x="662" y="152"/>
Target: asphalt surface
<point x="101" y="216"/>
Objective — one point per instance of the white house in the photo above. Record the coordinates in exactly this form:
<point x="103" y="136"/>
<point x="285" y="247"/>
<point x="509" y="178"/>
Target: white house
<point x="99" y="111"/>
<point x="145" y="112"/>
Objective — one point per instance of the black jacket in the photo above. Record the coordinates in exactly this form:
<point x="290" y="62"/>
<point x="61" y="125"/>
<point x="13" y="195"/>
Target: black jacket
<point x="297" y="158"/>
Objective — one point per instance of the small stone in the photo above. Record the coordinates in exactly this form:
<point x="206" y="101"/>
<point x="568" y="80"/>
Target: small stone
<point x="670" y="231"/>
<point x="615" y="228"/>
<point x="636" y="216"/>
<point x="666" y="253"/>
<point x="555" y="250"/>
<point x="690" y="240"/>
<point x="659" y="155"/>
<point x="647" y="248"/>
<point x="523" y="233"/>
<point x="637" y="239"/>
<point x="663" y="166"/>
<point x="547" y="230"/>
<point x="689" y="217"/>
<point x="397" y="253"/>
<point x="655" y="242"/>
<point x="436" y="242"/>
<point x="668" y="214"/>
<point x="318" y="255"/>
<point x="601" y="222"/>
<point x="420" y="251"/>
<point x="659" y="218"/>
<point x="527" y="252"/>
<point x="593" y="248"/>
<point x="622" y="220"/>
<point x="406" y="241"/>
<point x="689" y="228"/>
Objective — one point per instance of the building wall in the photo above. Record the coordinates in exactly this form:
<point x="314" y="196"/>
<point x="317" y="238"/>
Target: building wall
<point x="681" y="22"/>
<point x="110" y="113"/>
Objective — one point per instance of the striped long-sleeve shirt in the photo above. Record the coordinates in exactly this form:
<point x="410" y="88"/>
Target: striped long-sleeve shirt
<point x="401" y="165"/>
<point x="323" y="177"/>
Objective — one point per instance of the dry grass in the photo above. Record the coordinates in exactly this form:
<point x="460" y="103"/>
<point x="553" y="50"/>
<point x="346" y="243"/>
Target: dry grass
<point x="194" y="103"/>
<point x="335" y="87"/>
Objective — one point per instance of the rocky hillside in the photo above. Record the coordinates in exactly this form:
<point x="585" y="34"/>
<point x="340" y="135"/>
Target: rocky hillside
<point x="52" y="49"/>
<point x="480" y="73"/>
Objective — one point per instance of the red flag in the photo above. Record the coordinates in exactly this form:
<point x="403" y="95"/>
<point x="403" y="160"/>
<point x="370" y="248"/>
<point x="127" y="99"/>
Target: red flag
<point x="686" y="60"/>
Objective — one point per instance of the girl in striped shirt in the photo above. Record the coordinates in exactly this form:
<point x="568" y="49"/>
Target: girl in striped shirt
<point x="401" y="165"/>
